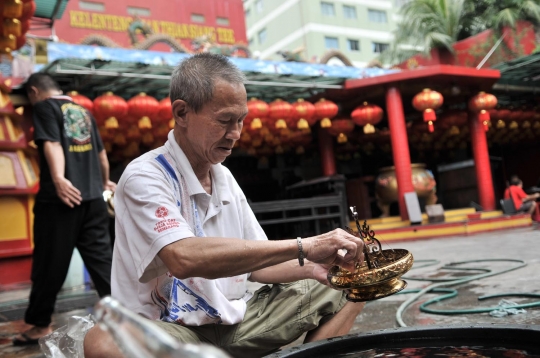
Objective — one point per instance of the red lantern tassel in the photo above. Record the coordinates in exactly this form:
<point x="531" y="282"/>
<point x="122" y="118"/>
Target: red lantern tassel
<point x="429" y="115"/>
<point x="431" y="127"/>
<point x="483" y="116"/>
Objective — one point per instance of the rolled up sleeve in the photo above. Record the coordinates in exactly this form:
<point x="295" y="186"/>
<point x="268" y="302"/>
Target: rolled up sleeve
<point x="152" y="220"/>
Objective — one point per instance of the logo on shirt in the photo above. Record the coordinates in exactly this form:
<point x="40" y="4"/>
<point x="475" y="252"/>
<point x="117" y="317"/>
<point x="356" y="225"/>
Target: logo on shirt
<point x="161" y="212"/>
<point x="77" y="125"/>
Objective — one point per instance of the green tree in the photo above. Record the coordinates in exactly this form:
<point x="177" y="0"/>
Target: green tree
<point x="429" y="24"/>
<point x="424" y="25"/>
<point x="481" y="15"/>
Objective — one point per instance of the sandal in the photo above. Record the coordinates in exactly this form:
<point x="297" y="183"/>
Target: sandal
<point x="26" y="342"/>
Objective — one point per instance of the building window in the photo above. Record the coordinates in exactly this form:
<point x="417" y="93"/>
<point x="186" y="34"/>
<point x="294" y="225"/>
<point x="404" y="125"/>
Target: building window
<point x="262" y="36"/>
<point x="223" y="21"/>
<point x="378" y="47"/>
<point x="377" y="16"/>
<point x="197" y="18"/>
<point x="92" y="6"/>
<point x="353" y="45"/>
<point x="247" y="12"/>
<point x="250" y="42"/>
<point x="138" y="11"/>
<point x="327" y="9"/>
<point x="259" y="5"/>
<point x="331" y="42"/>
<point x="349" y="12"/>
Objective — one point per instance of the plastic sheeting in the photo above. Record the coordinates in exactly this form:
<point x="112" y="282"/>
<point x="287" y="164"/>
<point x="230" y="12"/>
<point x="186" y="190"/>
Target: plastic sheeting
<point x="56" y="51"/>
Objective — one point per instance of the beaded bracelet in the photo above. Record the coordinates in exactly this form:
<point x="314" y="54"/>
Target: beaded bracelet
<point x="300" y="251"/>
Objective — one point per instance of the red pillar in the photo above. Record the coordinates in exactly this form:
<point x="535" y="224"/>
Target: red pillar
<point x="326" y="146"/>
<point x="400" y="147"/>
<point x="484" y="182"/>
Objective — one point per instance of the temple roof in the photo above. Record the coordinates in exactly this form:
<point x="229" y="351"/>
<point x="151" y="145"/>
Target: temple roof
<point x="92" y="70"/>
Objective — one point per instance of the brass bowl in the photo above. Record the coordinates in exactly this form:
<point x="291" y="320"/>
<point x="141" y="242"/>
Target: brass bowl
<point x="374" y="292"/>
<point x="382" y="280"/>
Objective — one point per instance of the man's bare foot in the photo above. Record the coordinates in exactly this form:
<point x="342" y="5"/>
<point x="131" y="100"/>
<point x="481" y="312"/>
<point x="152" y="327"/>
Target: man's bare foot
<point x="31" y="336"/>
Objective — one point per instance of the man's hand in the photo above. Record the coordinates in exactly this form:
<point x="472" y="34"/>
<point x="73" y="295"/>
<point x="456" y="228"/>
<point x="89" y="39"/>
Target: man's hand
<point x="320" y="273"/>
<point x="70" y="195"/>
<point x="109" y="185"/>
<point x="324" y="249"/>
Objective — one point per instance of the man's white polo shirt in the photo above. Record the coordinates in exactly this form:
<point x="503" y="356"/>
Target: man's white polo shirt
<point x="158" y="201"/>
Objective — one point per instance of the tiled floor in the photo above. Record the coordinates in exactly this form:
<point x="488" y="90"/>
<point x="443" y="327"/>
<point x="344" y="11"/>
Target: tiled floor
<point x="522" y="244"/>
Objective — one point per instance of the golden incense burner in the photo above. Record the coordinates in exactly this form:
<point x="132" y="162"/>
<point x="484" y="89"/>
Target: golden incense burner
<point x="379" y="275"/>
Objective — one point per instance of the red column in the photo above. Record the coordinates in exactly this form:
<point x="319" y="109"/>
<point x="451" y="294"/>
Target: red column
<point x="400" y="147"/>
<point x="326" y="146"/>
<point x="484" y="182"/>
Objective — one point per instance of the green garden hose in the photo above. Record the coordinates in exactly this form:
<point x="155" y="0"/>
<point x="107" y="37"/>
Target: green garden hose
<point x="450" y="293"/>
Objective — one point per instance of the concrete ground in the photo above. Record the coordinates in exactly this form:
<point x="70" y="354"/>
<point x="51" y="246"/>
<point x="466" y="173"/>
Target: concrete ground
<point x="517" y="244"/>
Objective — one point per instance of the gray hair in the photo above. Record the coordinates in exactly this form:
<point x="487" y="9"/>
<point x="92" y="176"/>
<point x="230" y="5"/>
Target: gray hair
<point x="193" y="79"/>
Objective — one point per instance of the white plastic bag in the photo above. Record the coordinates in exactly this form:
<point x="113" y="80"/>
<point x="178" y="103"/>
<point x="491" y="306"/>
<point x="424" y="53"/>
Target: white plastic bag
<point x="67" y="341"/>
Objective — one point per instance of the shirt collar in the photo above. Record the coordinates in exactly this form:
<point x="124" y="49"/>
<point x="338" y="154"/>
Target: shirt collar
<point x="194" y="186"/>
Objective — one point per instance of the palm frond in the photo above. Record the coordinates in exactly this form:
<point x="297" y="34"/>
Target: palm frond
<point x="506" y="17"/>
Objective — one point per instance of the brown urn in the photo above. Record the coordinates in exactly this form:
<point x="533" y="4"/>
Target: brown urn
<point x="386" y="185"/>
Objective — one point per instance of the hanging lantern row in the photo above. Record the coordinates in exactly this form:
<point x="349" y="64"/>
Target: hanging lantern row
<point x="281" y="114"/>
<point x="126" y="124"/>
<point x="111" y="110"/>
<point x="14" y="23"/>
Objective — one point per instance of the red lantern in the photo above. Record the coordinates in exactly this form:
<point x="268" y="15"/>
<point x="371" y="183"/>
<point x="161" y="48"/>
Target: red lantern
<point x="25" y="26"/>
<point x="256" y="109"/>
<point x="12" y="27"/>
<point x="367" y="115"/>
<point x="20" y="41"/>
<point x="82" y="101"/>
<point x="144" y="109"/>
<point x="8" y="43"/>
<point x="12" y="8"/>
<point x="340" y="128"/>
<point x="305" y="112"/>
<point x="280" y="113"/>
<point x="164" y="114"/>
<point x="325" y="110"/>
<point x="109" y="108"/>
<point x="428" y="101"/>
<point x="29" y="8"/>
<point x="481" y="103"/>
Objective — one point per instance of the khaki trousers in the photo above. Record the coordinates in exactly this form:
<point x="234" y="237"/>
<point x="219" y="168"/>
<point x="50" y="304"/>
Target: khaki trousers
<point x="276" y="316"/>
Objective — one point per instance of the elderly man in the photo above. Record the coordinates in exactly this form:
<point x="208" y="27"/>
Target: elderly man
<point x="187" y="240"/>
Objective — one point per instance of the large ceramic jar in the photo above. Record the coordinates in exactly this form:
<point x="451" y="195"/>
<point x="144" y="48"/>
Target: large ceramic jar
<point x="386" y="185"/>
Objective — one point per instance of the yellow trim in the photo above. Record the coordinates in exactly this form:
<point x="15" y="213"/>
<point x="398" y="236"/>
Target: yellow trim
<point x="450" y="216"/>
<point x="10" y="129"/>
<point x="24" y="166"/>
<point x="14" y="221"/>
<point x="464" y="229"/>
<point x="491" y="214"/>
<point x="2" y="136"/>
